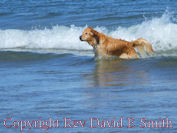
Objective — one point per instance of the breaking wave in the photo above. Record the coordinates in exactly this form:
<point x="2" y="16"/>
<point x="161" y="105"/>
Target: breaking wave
<point x="161" y="32"/>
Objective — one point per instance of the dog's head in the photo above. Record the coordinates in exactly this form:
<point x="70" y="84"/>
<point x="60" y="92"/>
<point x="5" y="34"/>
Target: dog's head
<point x="91" y="36"/>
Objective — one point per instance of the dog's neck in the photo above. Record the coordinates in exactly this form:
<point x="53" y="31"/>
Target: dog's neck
<point x="94" y="42"/>
<point x="97" y="44"/>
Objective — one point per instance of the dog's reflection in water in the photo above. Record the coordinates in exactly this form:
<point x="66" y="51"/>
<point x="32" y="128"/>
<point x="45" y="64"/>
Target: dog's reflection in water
<point x="116" y="73"/>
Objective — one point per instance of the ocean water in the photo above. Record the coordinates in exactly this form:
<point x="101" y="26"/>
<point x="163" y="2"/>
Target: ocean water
<point x="48" y="74"/>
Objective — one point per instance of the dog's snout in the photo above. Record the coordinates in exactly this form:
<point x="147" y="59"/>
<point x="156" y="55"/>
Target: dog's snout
<point x="80" y="38"/>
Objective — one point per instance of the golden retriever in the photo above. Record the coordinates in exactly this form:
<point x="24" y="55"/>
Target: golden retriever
<point x="106" y="46"/>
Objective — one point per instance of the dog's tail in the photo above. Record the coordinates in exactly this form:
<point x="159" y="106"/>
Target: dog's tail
<point x="143" y="46"/>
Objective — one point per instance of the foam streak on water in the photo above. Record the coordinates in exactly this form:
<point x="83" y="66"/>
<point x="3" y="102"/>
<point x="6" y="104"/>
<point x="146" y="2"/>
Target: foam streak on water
<point x="161" y="32"/>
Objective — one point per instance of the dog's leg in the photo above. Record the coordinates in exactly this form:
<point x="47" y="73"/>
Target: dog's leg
<point x="124" y="56"/>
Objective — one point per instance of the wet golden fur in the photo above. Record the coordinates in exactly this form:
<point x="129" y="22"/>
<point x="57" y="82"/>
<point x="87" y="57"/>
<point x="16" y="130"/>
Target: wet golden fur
<point x="107" y="46"/>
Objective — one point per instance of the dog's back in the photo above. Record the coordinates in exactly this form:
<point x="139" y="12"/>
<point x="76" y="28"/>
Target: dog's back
<point x="108" y="46"/>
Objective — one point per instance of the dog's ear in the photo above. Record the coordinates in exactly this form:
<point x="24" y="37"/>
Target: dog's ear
<point x="94" y="31"/>
<point x="97" y="38"/>
<point x="95" y="35"/>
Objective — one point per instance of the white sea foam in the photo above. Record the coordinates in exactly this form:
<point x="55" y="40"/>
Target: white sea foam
<point x="161" y="32"/>
<point x="59" y="37"/>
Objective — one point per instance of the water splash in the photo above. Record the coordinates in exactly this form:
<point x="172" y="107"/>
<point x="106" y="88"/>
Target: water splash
<point x="161" y="32"/>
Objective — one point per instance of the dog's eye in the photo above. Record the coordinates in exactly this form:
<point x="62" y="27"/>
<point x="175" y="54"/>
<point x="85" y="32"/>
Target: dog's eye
<point x="86" y="33"/>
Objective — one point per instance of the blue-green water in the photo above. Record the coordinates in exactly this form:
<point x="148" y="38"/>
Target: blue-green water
<point x="48" y="74"/>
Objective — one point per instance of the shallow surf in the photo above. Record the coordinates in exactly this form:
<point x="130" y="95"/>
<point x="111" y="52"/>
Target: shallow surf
<point x="47" y="74"/>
